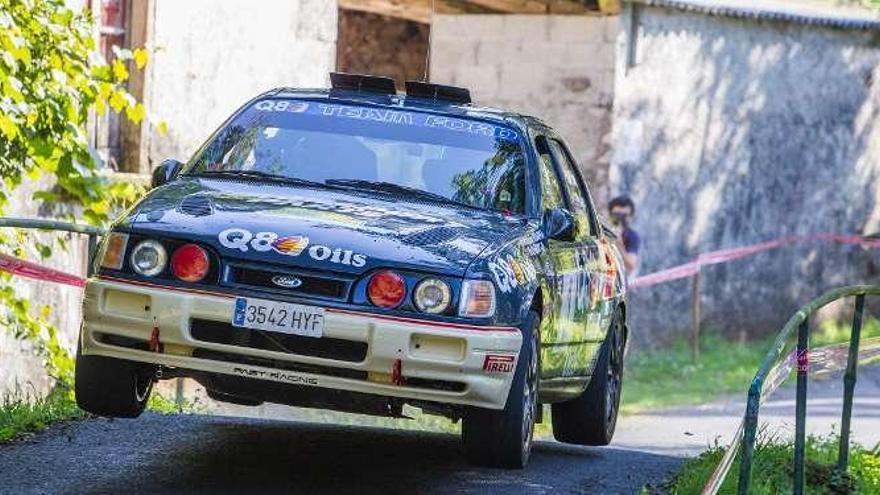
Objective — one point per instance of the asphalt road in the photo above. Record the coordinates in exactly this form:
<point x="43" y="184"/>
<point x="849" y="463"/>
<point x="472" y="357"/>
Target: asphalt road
<point x="213" y="454"/>
<point x="231" y="454"/>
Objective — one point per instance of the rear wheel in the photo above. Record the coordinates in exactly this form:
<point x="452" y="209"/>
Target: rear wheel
<point x="112" y="387"/>
<point x="504" y="438"/>
<point x="591" y="418"/>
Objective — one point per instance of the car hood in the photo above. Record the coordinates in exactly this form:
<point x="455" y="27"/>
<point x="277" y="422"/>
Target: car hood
<point x="340" y="230"/>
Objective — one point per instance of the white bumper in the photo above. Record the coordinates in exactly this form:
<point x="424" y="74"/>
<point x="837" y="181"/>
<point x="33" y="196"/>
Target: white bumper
<point x="439" y="362"/>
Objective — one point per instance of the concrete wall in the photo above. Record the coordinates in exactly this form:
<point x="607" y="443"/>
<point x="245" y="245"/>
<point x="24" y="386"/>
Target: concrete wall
<point x="210" y="57"/>
<point x="559" y="68"/>
<point x="729" y="132"/>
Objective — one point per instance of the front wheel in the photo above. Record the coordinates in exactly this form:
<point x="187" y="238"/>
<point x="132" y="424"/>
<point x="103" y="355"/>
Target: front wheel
<point x="504" y="438"/>
<point x="111" y="387"/>
<point x="591" y="418"/>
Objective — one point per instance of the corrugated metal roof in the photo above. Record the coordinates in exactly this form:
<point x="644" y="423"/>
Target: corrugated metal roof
<point x="813" y="13"/>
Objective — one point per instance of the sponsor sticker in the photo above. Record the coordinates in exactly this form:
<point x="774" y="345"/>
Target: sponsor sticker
<point x="278" y="376"/>
<point x="292" y="106"/>
<point x="245" y="240"/>
<point x="391" y="117"/>
<point x="498" y="363"/>
<point x="510" y="272"/>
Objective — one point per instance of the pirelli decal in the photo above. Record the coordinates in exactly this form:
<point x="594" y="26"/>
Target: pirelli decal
<point x="498" y="363"/>
<point x="278" y="376"/>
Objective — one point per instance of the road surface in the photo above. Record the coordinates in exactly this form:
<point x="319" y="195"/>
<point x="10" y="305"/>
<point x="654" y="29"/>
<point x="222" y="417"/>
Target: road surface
<point x="228" y="454"/>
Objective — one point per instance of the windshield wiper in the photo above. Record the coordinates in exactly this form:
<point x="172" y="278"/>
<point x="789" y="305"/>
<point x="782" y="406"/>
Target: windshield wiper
<point x="392" y="188"/>
<point x="256" y="174"/>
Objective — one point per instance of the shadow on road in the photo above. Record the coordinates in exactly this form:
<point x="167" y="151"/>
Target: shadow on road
<point x="201" y="454"/>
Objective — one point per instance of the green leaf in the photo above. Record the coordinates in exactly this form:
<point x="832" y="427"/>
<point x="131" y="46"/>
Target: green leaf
<point x="141" y="57"/>
<point x="120" y="73"/>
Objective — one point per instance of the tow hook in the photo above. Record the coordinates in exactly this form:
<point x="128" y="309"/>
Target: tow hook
<point x="155" y="344"/>
<point x="397" y="373"/>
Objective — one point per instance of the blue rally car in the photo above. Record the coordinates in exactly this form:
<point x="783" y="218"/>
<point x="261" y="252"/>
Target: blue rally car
<point x="358" y="249"/>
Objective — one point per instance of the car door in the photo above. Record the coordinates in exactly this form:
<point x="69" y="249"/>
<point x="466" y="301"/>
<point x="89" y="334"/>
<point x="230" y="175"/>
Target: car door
<point x="593" y="280"/>
<point x="565" y="353"/>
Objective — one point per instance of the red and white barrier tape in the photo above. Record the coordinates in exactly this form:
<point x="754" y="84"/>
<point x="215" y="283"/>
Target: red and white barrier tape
<point x="725" y="255"/>
<point x="15" y="266"/>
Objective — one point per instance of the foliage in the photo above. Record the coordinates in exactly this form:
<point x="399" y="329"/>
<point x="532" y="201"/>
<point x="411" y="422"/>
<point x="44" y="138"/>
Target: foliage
<point x="51" y="80"/>
<point x="772" y="469"/>
<point x="668" y="377"/>
<point x="20" y="415"/>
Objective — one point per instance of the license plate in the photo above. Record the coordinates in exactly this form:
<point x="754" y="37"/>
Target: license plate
<point x="273" y="316"/>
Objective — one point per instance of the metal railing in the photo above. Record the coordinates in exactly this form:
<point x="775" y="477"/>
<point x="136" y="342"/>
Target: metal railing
<point x="44" y="224"/>
<point x="776" y="367"/>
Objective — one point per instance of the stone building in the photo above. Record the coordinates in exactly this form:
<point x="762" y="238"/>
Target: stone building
<point x="737" y="122"/>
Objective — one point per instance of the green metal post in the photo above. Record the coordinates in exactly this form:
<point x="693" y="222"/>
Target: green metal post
<point x="800" y="440"/>
<point x="750" y="432"/>
<point x="849" y="383"/>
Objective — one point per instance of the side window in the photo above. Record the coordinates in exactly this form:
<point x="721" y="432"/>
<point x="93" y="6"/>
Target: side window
<point x="577" y="197"/>
<point x="551" y="195"/>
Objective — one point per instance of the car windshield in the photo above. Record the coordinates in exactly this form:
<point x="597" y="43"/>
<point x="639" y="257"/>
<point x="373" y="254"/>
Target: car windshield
<point x="389" y="151"/>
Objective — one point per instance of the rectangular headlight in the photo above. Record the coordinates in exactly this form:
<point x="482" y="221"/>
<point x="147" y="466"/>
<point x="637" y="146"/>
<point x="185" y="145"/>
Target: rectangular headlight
<point x="477" y="299"/>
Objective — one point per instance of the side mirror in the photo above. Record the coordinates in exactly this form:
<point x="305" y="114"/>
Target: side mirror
<point x="559" y="224"/>
<point x="166" y="172"/>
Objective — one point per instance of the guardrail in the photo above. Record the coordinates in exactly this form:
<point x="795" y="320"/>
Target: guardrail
<point x="777" y="366"/>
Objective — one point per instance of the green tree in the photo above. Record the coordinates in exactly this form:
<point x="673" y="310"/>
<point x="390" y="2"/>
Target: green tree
<point x="51" y="81"/>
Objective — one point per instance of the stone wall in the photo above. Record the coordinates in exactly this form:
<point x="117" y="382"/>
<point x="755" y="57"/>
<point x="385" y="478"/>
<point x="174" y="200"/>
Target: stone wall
<point x="559" y="68"/>
<point x="210" y="57"/>
<point x="21" y="370"/>
<point x="729" y="132"/>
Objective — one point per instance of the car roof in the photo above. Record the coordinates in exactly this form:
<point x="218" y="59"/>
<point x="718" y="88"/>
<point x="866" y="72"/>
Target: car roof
<point x="401" y="100"/>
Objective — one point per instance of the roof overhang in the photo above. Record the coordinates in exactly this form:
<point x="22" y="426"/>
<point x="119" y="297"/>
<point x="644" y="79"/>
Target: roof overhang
<point x="792" y="11"/>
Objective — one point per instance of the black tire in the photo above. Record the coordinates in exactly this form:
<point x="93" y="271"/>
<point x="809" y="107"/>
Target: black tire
<point x="591" y="418"/>
<point x="503" y="438"/>
<point x="112" y="387"/>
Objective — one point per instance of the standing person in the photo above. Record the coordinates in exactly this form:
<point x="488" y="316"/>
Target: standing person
<point x="622" y="210"/>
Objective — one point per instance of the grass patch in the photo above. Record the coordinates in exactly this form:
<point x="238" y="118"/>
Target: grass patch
<point x="772" y="469"/>
<point x="20" y="415"/>
<point x="669" y="377"/>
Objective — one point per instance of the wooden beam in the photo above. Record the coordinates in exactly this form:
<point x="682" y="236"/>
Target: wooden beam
<point x="413" y="10"/>
<point x="513" y="6"/>
<point x="420" y="10"/>
<point x="610" y="7"/>
<point x="568" y="7"/>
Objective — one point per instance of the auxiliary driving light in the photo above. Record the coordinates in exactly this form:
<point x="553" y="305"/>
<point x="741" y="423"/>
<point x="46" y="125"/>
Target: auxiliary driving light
<point x="113" y="254"/>
<point x="148" y="258"/>
<point x="432" y="296"/>
<point x="386" y="289"/>
<point x="190" y="263"/>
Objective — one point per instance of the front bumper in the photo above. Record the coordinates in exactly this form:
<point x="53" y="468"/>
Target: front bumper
<point x="439" y="362"/>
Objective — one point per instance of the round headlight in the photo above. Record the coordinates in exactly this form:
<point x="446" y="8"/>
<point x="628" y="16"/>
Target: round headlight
<point x="432" y="296"/>
<point x="148" y="258"/>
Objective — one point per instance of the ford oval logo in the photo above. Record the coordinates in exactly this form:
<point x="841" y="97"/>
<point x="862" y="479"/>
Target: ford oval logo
<point x="286" y="281"/>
